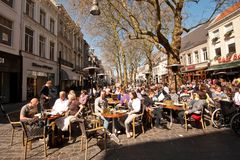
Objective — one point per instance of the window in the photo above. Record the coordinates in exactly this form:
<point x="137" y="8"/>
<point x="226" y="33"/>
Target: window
<point x="228" y="27"/>
<point x="42" y="17"/>
<point x="52" y="24"/>
<point x="232" y="48"/>
<point x="216" y="33"/>
<point x="205" y="54"/>
<point x="8" y="2"/>
<point x="189" y="59"/>
<point x="52" y="51"/>
<point x="30" y="8"/>
<point x="61" y="27"/>
<point x="28" y="40"/>
<point x="196" y="56"/>
<point x="218" y="52"/>
<point x="5" y="31"/>
<point x="42" y="41"/>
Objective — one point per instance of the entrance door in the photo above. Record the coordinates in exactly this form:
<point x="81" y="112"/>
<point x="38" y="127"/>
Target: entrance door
<point x="4" y="87"/>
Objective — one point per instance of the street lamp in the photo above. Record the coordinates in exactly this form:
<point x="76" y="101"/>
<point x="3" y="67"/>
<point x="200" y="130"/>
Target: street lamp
<point x="95" y="9"/>
<point x="175" y="68"/>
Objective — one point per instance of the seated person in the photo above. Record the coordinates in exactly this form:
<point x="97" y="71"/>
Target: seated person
<point x="101" y="104"/>
<point x="29" y="110"/>
<point x="108" y="93"/>
<point x="135" y="108"/>
<point x="83" y="99"/>
<point x="157" y="113"/>
<point x="195" y="108"/>
<point x="71" y="113"/>
<point x="236" y="97"/>
<point x="218" y="94"/>
<point x="61" y="104"/>
<point x="124" y="98"/>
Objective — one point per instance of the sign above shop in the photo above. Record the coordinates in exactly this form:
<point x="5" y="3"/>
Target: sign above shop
<point x="229" y="58"/>
<point x="41" y="66"/>
<point x="1" y="60"/>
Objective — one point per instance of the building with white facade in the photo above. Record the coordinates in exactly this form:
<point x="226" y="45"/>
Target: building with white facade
<point x="10" y="60"/>
<point x="194" y="54"/>
<point x="224" y="42"/>
<point x="39" y="46"/>
<point x="160" y="70"/>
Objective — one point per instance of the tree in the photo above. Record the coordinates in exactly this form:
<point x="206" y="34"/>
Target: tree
<point x="157" y="21"/>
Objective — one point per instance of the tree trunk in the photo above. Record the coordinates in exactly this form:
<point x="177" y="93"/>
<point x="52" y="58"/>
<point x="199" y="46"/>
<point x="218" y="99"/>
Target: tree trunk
<point x="176" y="45"/>
<point x="125" y="77"/>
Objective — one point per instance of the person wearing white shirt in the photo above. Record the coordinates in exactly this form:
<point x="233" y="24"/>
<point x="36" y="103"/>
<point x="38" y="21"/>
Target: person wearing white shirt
<point x="135" y="107"/>
<point x="61" y="104"/>
<point x="236" y="97"/>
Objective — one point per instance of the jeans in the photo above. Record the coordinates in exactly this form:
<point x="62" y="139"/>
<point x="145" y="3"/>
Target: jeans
<point x="157" y="115"/>
<point x="105" y="122"/>
<point x="128" y="121"/>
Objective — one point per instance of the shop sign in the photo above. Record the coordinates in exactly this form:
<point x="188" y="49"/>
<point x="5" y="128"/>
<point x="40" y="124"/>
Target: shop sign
<point x="230" y="58"/>
<point x="41" y="66"/>
<point x="2" y="60"/>
<point x="191" y="67"/>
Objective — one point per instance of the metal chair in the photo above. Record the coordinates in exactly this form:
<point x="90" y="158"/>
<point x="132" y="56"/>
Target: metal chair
<point x="33" y="131"/>
<point x="14" y="120"/>
<point x="88" y="134"/>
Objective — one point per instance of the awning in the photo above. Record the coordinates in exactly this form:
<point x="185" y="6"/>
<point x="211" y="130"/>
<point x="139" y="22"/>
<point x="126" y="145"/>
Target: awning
<point x="224" y="66"/>
<point x="64" y="75"/>
<point x="196" y="69"/>
<point x="69" y="75"/>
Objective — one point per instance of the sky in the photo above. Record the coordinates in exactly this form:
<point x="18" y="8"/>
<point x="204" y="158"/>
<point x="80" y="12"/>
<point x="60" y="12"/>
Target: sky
<point x="195" y="13"/>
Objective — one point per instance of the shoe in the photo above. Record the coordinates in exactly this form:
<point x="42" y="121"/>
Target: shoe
<point x="128" y="135"/>
<point x="131" y="134"/>
<point x="160" y="127"/>
<point x="189" y="126"/>
<point x="114" y="138"/>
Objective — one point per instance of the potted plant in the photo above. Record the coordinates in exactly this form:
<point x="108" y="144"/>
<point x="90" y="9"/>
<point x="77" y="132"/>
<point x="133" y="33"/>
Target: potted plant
<point x="214" y="40"/>
<point x="228" y="34"/>
<point x="216" y="57"/>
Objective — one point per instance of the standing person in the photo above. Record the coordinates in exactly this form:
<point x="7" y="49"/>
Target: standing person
<point x="44" y="95"/>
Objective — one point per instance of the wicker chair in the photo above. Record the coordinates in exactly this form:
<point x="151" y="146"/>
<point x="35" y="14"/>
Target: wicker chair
<point x="33" y="132"/>
<point x="14" y="120"/>
<point x="138" y="121"/>
<point x="196" y="118"/>
<point x="88" y="134"/>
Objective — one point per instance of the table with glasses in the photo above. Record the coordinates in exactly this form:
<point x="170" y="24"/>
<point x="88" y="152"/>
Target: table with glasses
<point x="172" y="107"/>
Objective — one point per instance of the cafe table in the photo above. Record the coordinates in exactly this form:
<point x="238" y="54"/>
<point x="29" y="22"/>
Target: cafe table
<point x="49" y="120"/>
<point x="113" y="103"/>
<point x="172" y="107"/>
<point x="115" y="115"/>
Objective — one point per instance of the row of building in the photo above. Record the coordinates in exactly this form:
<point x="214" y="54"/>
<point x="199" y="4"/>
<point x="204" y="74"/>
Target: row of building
<point x="211" y="50"/>
<point x="39" y="41"/>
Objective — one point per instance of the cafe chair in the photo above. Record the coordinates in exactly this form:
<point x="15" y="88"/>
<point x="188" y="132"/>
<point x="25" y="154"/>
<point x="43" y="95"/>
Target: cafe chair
<point x="88" y="134"/>
<point x="138" y="121"/>
<point x="195" y="118"/>
<point x="32" y="132"/>
<point x="14" y="120"/>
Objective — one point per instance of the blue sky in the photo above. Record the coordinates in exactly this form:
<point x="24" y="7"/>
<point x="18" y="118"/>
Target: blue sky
<point x="195" y="13"/>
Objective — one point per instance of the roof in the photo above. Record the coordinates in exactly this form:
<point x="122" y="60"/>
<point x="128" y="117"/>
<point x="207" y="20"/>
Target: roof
<point x="227" y="12"/>
<point x="194" y="38"/>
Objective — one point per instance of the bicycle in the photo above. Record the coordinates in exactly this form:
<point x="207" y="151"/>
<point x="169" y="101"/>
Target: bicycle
<point x="222" y="116"/>
<point x="235" y="124"/>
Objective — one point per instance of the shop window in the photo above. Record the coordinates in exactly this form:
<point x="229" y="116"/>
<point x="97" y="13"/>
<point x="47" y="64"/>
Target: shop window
<point x="52" y="51"/>
<point x="8" y="2"/>
<point x="42" y="42"/>
<point x="30" y="8"/>
<point x="28" y="40"/>
<point x="42" y="17"/>
<point x="52" y="24"/>
<point x="205" y="54"/>
<point x="5" y="31"/>
<point x="232" y="48"/>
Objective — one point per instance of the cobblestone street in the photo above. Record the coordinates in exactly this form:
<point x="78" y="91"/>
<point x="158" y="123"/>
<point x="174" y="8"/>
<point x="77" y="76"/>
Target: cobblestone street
<point x="164" y="144"/>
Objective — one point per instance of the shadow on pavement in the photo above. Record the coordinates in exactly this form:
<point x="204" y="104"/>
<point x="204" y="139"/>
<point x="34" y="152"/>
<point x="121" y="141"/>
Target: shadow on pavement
<point x="220" y="145"/>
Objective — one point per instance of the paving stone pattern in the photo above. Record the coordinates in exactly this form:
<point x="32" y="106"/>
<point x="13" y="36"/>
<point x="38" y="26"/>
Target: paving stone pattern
<point x="159" y="144"/>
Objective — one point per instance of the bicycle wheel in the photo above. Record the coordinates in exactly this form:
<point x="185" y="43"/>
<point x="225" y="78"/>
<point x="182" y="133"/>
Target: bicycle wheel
<point x="217" y="118"/>
<point x="235" y="123"/>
